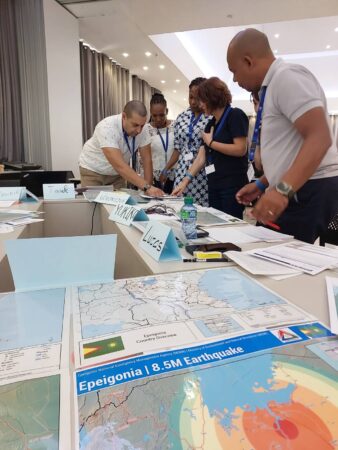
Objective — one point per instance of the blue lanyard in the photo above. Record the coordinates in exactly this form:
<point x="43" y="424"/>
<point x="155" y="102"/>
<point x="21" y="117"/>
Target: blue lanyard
<point x="132" y="152"/>
<point x="166" y="143"/>
<point x="219" y="128"/>
<point x="256" y="134"/>
<point x="192" y="124"/>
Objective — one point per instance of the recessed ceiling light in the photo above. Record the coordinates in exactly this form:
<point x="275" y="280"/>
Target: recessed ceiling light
<point x="161" y="66"/>
<point x="125" y="54"/>
<point x="178" y="81"/>
<point x="148" y="54"/>
<point x="185" y="99"/>
<point x="276" y="35"/>
<point x="174" y="91"/>
<point x="275" y="51"/>
<point x="328" y="46"/>
<point x="162" y="81"/>
<point x="336" y="29"/>
<point x="145" y="67"/>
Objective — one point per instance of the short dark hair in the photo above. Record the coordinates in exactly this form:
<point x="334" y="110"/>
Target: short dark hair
<point x="158" y="99"/>
<point x="214" y="93"/>
<point x="196" y="82"/>
<point x="135" y="106"/>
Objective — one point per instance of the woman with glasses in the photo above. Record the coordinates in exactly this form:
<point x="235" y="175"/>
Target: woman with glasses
<point x="224" y="153"/>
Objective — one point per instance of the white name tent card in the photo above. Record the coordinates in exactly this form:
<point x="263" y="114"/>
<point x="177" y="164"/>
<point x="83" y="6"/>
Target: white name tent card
<point x="13" y="194"/>
<point x="126" y="214"/>
<point x="159" y="242"/>
<point x="114" y="197"/>
<point x="58" y="191"/>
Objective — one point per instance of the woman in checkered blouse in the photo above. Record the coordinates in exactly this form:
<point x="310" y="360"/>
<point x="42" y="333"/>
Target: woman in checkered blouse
<point x="189" y="126"/>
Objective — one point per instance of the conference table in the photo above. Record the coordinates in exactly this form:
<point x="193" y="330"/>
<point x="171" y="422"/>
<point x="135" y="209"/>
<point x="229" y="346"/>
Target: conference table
<point x="79" y="217"/>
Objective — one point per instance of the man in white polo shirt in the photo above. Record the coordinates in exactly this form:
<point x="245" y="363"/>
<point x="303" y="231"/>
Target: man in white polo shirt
<point x="299" y="188"/>
<point x="109" y="156"/>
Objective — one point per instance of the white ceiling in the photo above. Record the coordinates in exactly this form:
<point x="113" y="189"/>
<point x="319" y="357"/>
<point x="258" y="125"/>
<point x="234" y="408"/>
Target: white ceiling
<point x="305" y="28"/>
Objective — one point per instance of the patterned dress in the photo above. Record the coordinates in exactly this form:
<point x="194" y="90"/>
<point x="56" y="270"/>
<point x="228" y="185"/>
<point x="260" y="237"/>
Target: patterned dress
<point x="198" y="187"/>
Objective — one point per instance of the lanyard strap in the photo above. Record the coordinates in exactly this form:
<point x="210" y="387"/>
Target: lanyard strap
<point x="192" y="124"/>
<point x="256" y="134"/>
<point x="217" y="132"/>
<point x="132" y="151"/>
<point x="165" y="144"/>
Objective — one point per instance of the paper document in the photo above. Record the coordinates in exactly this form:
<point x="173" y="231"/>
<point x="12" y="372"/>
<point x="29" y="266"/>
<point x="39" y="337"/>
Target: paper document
<point x="308" y="258"/>
<point x="231" y="234"/>
<point x="264" y="234"/>
<point x="259" y="267"/>
<point x="332" y="295"/>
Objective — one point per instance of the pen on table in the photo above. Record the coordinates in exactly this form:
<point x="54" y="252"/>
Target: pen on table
<point x="273" y="225"/>
<point x="206" y="260"/>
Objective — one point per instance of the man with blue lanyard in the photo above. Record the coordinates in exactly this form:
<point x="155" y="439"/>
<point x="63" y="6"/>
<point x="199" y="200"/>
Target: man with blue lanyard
<point x="299" y="188"/>
<point x="109" y="156"/>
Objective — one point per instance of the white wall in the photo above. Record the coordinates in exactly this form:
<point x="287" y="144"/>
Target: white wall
<point x="174" y="108"/>
<point x="64" y="86"/>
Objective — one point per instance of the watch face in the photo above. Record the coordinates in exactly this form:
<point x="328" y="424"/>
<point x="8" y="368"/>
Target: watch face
<point x="285" y="189"/>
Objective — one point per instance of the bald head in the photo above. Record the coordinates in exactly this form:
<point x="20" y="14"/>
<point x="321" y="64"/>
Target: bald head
<point x="249" y="58"/>
<point x="250" y="42"/>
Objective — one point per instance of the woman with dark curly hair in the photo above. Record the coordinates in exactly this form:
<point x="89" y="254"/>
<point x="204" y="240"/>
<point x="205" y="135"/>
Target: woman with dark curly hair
<point x="224" y="153"/>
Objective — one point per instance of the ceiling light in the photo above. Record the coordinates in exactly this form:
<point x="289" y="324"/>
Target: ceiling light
<point x="336" y="29"/>
<point x="174" y="91"/>
<point x="328" y="46"/>
<point x="178" y="81"/>
<point x="145" y="67"/>
<point x="148" y="54"/>
<point x="161" y="66"/>
<point x="275" y="51"/>
<point x="125" y="54"/>
<point x="276" y="35"/>
<point x="185" y="99"/>
<point x="162" y="81"/>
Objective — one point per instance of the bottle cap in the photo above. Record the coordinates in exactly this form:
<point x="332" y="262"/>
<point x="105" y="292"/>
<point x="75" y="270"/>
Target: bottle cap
<point x="188" y="200"/>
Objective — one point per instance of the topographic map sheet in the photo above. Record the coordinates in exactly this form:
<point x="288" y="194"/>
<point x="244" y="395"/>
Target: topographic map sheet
<point x="140" y="315"/>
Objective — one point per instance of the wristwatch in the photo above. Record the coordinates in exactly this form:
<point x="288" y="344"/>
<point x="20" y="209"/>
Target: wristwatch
<point x="146" y="187"/>
<point x="285" y="189"/>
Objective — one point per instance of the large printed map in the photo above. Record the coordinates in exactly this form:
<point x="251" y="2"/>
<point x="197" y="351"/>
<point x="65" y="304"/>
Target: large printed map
<point x="29" y="414"/>
<point x="206" y="297"/>
<point x="283" y="399"/>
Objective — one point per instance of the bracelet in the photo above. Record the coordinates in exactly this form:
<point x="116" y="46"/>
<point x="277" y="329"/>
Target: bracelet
<point x="261" y="186"/>
<point x="210" y="142"/>
<point x="190" y="176"/>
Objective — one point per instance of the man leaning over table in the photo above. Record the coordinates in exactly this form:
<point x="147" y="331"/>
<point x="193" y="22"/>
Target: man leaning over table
<point x="109" y="156"/>
<point x="299" y="188"/>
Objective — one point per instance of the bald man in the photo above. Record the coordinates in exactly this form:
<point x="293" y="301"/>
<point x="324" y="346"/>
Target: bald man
<point x="299" y="189"/>
<point x="107" y="156"/>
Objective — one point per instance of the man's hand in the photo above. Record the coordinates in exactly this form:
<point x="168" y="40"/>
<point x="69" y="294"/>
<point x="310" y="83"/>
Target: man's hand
<point x="179" y="190"/>
<point x="154" y="192"/>
<point x="248" y="193"/>
<point x="270" y="206"/>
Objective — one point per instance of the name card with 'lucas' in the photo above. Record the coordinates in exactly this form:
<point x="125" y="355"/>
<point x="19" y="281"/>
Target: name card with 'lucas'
<point x="159" y="242"/>
<point x="13" y="194"/>
<point x="114" y="198"/>
<point x="58" y="191"/>
<point x="126" y="214"/>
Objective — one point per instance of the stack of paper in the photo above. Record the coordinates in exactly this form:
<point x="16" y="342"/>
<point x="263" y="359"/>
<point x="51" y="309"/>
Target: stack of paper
<point x="307" y="258"/>
<point x="246" y="234"/>
<point x="17" y="217"/>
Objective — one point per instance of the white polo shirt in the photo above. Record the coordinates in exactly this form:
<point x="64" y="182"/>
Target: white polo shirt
<point x="292" y="90"/>
<point x="109" y="133"/>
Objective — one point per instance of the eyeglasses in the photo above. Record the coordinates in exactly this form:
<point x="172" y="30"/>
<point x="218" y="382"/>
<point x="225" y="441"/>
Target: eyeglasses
<point x="160" y="208"/>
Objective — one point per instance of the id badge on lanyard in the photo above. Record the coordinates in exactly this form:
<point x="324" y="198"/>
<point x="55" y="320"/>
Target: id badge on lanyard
<point x="165" y="144"/>
<point x="256" y="137"/>
<point x="210" y="167"/>
<point x="131" y="151"/>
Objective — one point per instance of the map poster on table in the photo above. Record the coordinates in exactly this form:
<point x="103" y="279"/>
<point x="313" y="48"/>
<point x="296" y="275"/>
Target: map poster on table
<point x="332" y="294"/>
<point x="141" y="315"/>
<point x="247" y="392"/>
<point x="35" y="412"/>
<point x="34" y="331"/>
